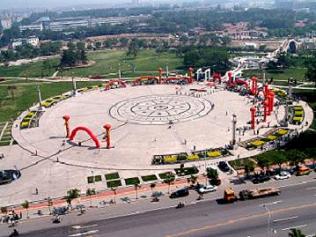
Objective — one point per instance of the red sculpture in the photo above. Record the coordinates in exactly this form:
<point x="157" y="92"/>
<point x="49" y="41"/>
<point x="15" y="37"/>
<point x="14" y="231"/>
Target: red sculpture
<point x="108" y="135"/>
<point x="254" y="85"/>
<point x="67" y="118"/>
<point x="90" y="133"/>
<point x="120" y="83"/>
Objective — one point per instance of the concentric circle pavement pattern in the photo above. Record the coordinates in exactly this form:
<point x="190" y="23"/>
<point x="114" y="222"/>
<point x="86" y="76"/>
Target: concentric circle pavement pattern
<point x="160" y="109"/>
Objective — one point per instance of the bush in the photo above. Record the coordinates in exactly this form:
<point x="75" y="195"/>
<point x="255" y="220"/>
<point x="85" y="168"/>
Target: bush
<point x="112" y="176"/>
<point x="164" y="175"/>
<point x="90" y="179"/>
<point x="186" y="171"/>
<point x="98" y="178"/>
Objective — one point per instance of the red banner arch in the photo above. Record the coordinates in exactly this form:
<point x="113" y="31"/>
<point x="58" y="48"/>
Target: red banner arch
<point x="88" y="131"/>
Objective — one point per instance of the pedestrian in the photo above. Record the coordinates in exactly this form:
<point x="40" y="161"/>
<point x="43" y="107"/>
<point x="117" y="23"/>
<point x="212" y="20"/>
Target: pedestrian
<point x="36" y="191"/>
<point x="21" y="215"/>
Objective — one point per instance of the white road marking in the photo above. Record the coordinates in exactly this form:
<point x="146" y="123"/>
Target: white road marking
<point x="84" y="233"/>
<point x="270" y="203"/>
<point x="311" y="188"/>
<point x="285" y="219"/>
<point x="294" y="227"/>
<point x="77" y="227"/>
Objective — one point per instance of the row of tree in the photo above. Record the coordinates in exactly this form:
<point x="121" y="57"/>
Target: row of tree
<point x="75" y="55"/>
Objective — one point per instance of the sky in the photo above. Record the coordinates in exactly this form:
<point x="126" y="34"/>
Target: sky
<point x="7" y="4"/>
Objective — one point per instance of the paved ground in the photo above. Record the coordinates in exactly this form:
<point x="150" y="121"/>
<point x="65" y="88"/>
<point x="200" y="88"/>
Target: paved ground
<point x="134" y="143"/>
<point x="295" y="207"/>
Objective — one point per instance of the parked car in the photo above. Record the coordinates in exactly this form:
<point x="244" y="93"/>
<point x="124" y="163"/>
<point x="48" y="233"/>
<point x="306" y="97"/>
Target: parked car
<point x="223" y="166"/>
<point x="207" y="189"/>
<point x="260" y="179"/>
<point x="283" y="175"/>
<point x="180" y="193"/>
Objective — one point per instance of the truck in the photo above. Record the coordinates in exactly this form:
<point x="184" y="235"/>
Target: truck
<point x="230" y="196"/>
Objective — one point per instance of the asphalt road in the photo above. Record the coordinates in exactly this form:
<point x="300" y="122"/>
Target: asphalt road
<point x="295" y="207"/>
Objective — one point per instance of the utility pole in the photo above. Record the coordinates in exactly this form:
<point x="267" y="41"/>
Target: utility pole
<point x="119" y="72"/>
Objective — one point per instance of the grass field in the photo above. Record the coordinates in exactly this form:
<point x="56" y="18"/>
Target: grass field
<point x="25" y="95"/>
<point x="107" y="63"/>
<point x="284" y="75"/>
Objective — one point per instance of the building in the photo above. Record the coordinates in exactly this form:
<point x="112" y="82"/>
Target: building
<point x="6" y="23"/>
<point x="32" y="27"/>
<point x="32" y="40"/>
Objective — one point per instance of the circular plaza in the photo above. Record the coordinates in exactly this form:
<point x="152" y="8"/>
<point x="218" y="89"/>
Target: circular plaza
<point x="149" y="126"/>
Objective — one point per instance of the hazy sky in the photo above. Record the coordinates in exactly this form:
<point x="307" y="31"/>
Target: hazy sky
<point x="5" y="4"/>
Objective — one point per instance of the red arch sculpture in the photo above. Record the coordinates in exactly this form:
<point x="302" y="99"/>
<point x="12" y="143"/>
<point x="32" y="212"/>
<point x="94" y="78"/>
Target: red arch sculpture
<point x="87" y="130"/>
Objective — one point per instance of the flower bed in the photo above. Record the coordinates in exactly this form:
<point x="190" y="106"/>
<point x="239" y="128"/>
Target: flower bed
<point x="184" y="157"/>
<point x="297" y="114"/>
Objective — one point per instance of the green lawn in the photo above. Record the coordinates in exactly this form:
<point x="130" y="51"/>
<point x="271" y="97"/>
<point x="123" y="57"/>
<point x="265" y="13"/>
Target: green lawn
<point x="107" y="63"/>
<point x="25" y="95"/>
<point x="29" y="70"/>
<point x="296" y="73"/>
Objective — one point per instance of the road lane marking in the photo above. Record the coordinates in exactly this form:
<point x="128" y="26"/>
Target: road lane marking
<point x="294" y="227"/>
<point x="311" y="188"/>
<point x="84" y="233"/>
<point x="77" y="227"/>
<point x="285" y="219"/>
<point x="270" y="203"/>
<point x="236" y="220"/>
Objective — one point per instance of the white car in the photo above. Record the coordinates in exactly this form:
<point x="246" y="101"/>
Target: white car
<point x="283" y="175"/>
<point x="207" y="189"/>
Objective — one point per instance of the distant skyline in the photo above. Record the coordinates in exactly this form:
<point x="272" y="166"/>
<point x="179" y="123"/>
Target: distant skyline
<point x="9" y="4"/>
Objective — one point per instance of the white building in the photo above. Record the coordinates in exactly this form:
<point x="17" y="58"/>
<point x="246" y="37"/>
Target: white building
<point x="33" y="40"/>
<point x="32" y="27"/>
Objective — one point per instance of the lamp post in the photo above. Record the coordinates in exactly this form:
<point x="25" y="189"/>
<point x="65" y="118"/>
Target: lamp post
<point x="234" y="121"/>
<point x="39" y="94"/>
<point x="74" y="85"/>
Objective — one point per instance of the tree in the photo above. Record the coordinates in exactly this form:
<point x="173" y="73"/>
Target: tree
<point x="192" y="179"/>
<point x="98" y="45"/>
<point x="212" y="174"/>
<point x="133" y="48"/>
<point x="90" y="192"/>
<point x="12" y="90"/>
<point x="4" y="210"/>
<point x="264" y="161"/>
<point x="136" y="187"/>
<point x="295" y="156"/>
<point x="49" y="204"/>
<point x="296" y="233"/>
<point x="170" y="177"/>
<point x="311" y="68"/>
<point x="26" y="206"/>
<point x="152" y="186"/>
<point x="249" y="167"/>
<point x="71" y="195"/>
<point x="277" y="157"/>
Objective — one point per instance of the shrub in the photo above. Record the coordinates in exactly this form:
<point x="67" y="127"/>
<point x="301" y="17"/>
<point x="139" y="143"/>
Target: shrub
<point x="148" y="178"/>
<point x="98" y="178"/>
<point x="132" y="181"/>
<point x="90" y="179"/>
<point x="112" y="176"/>
<point x="164" y="175"/>
<point x="114" y="183"/>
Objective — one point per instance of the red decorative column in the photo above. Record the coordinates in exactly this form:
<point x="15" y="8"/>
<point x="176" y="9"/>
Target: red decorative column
<point x="67" y="118"/>
<point x="265" y="107"/>
<point x="271" y="100"/>
<point x="190" y="74"/>
<point x="254" y="85"/>
<point x="108" y="135"/>
<point x="253" y="117"/>
<point x="160" y="75"/>
<point x="266" y="90"/>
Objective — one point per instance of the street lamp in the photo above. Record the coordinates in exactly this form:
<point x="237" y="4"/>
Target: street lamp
<point x="234" y="121"/>
<point x="74" y="85"/>
<point x="269" y="219"/>
<point x="39" y="94"/>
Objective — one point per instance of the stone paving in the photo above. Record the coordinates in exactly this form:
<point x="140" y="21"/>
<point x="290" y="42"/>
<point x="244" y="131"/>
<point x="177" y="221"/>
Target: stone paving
<point x="140" y="117"/>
